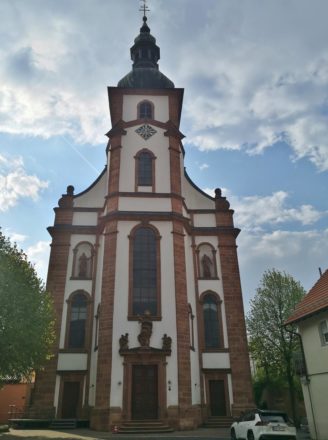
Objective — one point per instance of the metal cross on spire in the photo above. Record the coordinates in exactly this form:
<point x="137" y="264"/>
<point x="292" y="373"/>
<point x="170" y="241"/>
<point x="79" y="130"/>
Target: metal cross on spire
<point x="144" y="7"/>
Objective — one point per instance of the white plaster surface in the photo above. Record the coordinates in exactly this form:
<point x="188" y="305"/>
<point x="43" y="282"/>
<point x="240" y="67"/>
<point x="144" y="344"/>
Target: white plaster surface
<point x="216" y="360"/>
<point x="85" y="218"/>
<point x="72" y="361"/>
<point x="94" y="197"/>
<point x="144" y="204"/>
<point x="131" y="144"/>
<point x="204" y="220"/>
<point x="194" y="198"/>
<point x="316" y="391"/>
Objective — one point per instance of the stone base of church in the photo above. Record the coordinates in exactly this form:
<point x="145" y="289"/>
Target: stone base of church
<point x="183" y="419"/>
<point x="237" y="410"/>
<point x="41" y="412"/>
<point x="100" y="419"/>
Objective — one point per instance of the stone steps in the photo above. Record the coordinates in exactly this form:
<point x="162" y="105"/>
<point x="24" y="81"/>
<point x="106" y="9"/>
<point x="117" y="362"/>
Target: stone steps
<point x="218" y="422"/>
<point x="143" y="427"/>
<point x="63" y="424"/>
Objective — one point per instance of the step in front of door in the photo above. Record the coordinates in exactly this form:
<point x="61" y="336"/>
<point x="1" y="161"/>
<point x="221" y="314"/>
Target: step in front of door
<point x="63" y="424"/>
<point x="218" y="422"/>
<point x="144" y="427"/>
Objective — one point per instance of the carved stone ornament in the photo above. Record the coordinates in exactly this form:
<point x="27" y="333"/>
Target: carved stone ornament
<point x="124" y="342"/>
<point x="146" y="330"/>
<point x="167" y="343"/>
<point x="146" y="131"/>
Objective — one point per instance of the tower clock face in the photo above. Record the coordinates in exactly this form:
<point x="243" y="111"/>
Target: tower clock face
<point x="146" y="131"/>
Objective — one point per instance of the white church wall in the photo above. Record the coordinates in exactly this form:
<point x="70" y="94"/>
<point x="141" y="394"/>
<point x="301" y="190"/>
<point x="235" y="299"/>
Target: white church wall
<point x="204" y="220"/>
<point x="161" y="107"/>
<point x="85" y="218"/>
<point x="216" y="360"/>
<point x="97" y="299"/>
<point x="72" y="361"/>
<point x="194" y="361"/>
<point x="168" y="323"/>
<point x="194" y="198"/>
<point x="144" y="204"/>
<point x="94" y="197"/>
<point x="131" y="144"/>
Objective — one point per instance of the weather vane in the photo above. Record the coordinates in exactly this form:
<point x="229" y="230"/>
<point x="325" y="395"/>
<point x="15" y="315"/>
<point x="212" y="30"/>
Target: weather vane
<point x="144" y="7"/>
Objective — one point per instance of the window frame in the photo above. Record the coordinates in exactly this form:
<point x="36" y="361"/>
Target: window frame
<point x="132" y="236"/>
<point x="323" y="332"/>
<point x="139" y="109"/>
<point x="70" y="302"/>
<point x="218" y="302"/>
<point x="137" y="169"/>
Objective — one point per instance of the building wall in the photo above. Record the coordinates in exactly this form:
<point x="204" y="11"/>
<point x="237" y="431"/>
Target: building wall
<point x="315" y="390"/>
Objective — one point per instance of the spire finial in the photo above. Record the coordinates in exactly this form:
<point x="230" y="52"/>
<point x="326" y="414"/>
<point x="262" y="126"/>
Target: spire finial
<point x="144" y="8"/>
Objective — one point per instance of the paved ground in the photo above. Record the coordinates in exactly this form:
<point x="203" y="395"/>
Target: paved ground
<point x="87" y="434"/>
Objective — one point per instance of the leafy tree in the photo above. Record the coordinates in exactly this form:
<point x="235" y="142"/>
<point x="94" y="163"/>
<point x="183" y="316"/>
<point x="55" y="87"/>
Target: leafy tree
<point x="26" y="315"/>
<point x="271" y="346"/>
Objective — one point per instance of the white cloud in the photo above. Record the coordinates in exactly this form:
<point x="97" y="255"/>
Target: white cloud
<point x="255" y="211"/>
<point x="15" y="183"/>
<point x="260" y="76"/>
<point x="203" y="166"/>
<point x="38" y="255"/>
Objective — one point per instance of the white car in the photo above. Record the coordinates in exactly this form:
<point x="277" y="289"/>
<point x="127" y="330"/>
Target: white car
<point x="263" y="425"/>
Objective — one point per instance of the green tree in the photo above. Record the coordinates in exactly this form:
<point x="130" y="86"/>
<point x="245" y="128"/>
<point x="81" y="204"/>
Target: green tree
<point x="270" y="345"/>
<point x="26" y="315"/>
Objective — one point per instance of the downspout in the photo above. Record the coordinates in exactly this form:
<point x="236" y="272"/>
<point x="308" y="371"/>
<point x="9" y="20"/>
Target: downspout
<point x="307" y="379"/>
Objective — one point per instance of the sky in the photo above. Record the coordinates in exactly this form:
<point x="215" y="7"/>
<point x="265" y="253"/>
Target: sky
<point x="255" y="112"/>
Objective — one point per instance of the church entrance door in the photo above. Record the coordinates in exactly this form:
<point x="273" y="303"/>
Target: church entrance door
<point x="70" y="400"/>
<point x="217" y="398"/>
<point x="144" y="392"/>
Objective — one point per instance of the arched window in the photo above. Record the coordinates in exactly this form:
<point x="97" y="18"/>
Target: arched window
<point x="145" y="168"/>
<point x="77" y="320"/>
<point x="145" y="110"/>
<point x="211" y="320"/>
<point x="82" y="261"/>
<point x="145" y="276"/>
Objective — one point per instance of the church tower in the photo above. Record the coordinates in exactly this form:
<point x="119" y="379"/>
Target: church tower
<point x="144" y="275"/>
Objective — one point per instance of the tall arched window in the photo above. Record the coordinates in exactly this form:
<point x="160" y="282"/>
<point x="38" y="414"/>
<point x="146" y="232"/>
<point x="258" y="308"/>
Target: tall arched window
<point x="145" y="168"/>
<point x="145" y="110"/>
<point x="211" y="320"/>
<point x="77" y="320"/>
<point x="145" y="277"/>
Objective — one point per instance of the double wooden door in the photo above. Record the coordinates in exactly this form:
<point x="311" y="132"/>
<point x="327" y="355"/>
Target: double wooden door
<point x="144" y="392"/>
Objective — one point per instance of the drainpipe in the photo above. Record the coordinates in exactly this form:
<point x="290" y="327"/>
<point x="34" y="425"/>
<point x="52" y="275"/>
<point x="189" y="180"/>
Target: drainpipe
<point x="307" y="379"/>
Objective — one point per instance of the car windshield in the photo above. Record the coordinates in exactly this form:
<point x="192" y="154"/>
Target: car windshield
<point x="274" y="418"/>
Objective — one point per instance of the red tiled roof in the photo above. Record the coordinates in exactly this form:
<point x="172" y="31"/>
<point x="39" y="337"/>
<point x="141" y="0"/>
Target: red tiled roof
<point x="315" y="301"/>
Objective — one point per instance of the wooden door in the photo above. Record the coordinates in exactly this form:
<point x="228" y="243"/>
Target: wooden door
<point x="70" y="400"/>
<point x="217" y="398"/>
<point x="144" y="392"/>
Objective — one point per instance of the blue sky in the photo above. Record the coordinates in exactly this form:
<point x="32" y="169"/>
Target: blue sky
<point x="255" y="75"/>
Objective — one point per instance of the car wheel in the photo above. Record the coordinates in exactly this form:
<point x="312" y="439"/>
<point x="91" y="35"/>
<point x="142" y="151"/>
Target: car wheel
<point x="233" y="435"/>
<point x="250" y="435"/>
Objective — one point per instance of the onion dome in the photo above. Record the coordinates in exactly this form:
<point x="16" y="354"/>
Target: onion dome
<point x="145" y="55"/>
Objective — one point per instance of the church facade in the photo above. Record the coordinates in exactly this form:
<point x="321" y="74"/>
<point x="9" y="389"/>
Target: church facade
<point x="144" y="275"/>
